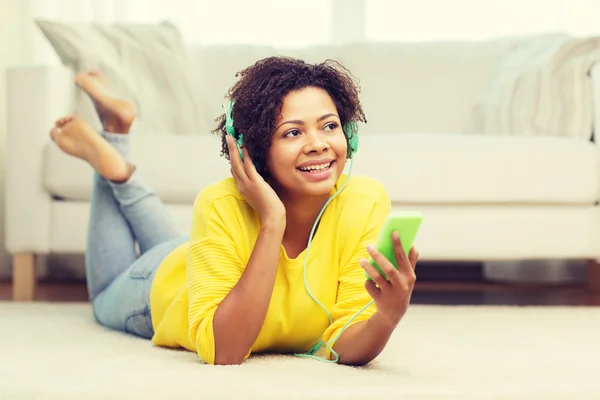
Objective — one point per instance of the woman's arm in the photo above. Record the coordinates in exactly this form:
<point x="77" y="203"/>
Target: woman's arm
<point x="360" y="343"/>
<point x="229" y="298"/>
<point x="367" y="335"/>
<point x="239" y="318"/>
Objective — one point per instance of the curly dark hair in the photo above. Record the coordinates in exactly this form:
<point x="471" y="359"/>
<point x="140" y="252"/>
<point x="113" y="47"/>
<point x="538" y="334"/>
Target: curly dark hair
<point x="258" y="99"/>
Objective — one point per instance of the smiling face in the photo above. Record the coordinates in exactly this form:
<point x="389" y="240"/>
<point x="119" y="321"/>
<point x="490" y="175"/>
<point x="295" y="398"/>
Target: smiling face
<point x="308" y="148"/>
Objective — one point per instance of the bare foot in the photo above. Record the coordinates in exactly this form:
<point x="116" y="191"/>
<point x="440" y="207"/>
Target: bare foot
<point x="75" y="137"/>
<point x="115" y="114"/>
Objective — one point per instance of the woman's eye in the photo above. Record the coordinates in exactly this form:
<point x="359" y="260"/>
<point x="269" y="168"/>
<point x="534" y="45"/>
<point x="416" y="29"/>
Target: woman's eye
<point x="293" y="132"/>
<point x="331" y="126"/>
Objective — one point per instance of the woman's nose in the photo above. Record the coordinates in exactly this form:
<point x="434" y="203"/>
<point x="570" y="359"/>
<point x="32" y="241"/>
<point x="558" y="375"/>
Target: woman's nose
<point x="316" y="142"/>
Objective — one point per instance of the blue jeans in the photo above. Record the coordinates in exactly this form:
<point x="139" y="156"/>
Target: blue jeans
<point x="118" y="281"/>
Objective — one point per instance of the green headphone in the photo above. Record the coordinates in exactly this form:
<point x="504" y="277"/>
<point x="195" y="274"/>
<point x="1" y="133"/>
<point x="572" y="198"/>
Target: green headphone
<point x="350" y="130"/>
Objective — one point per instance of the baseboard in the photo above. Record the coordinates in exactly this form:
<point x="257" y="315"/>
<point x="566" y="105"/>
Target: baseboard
<point x="450" y="272"/>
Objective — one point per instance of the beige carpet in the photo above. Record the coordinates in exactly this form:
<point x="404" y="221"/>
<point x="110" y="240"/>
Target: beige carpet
<point x="56" y="351"/>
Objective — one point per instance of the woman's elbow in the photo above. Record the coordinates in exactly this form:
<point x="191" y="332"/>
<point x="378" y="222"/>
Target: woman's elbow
<point x="228" y="359"/>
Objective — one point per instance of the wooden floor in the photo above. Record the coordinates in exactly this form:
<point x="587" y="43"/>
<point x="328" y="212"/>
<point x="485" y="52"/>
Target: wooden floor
<point x="445" y="293"/>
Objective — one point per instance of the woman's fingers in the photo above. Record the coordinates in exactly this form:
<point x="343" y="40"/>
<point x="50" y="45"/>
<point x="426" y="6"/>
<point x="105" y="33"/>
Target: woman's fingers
<point x="373" y="290"/>
<point x="249" y="165"/>
<point x="237" y="178"/>
<point x="373" y="273"/>
<point x="384" y="264"/>
<point x="404" y="264"/>
<point x="231" y="169"/>
<point x="413" y="257"/>
<point x="236" y="161"/>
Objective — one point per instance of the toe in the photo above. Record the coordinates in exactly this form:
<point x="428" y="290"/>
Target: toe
<point x="54" y="133"/>
<point x="63" y="121"/>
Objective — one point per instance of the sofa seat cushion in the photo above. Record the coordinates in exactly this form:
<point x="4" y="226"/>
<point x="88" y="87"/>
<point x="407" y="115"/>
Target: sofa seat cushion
<point x="175" y="167"/>
<point x="453" y="168"/>
<point x="415" y="168"/>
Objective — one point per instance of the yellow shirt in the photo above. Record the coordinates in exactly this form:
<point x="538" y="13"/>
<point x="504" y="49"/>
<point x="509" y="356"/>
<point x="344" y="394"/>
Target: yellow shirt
<point x="194" y="279"/>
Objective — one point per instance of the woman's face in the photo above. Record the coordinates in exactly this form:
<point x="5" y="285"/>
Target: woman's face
<point x="308" y="148"/>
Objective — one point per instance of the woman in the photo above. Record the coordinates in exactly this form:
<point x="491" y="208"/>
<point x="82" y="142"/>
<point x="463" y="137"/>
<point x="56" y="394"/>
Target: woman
<point x="244" y="281"/>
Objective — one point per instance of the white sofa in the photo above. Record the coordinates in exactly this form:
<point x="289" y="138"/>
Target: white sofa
<point x="484" y="197"/>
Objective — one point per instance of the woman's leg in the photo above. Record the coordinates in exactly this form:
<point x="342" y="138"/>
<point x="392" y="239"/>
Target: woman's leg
<point x="121" y="213"/>
<point x="144" y="211"/>
<point x="156" y="235"/>
<point x="124" y="303"/>
<point x="118" y="281"/>
<point x="110" y="243"/>
<point x="116" y="206"/>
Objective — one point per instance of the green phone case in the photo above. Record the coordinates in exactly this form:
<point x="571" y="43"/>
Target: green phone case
<point x="407" y="223"/>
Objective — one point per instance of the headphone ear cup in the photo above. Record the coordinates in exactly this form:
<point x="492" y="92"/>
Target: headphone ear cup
<point x="231" y="130"/>
<point x="229" y="120"/>
<point x="351" y="132"/>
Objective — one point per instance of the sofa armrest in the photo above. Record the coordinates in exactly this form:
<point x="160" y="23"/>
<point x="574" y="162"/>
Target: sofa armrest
<point x="36" y="97"/>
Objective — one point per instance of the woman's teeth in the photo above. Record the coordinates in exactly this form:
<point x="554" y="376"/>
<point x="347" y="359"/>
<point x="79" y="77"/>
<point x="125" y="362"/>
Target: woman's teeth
<point x="316" y="168"/>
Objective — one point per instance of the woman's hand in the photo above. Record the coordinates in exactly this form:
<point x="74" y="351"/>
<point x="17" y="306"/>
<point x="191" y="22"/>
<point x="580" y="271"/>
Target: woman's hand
<point x="391" y="297"/>
<point x="257" y="192"/>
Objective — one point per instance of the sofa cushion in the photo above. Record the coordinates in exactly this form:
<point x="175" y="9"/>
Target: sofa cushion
<point x="415" y="168"/>
<point x="446" y="168"/>
<point x="175" y="167"/>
